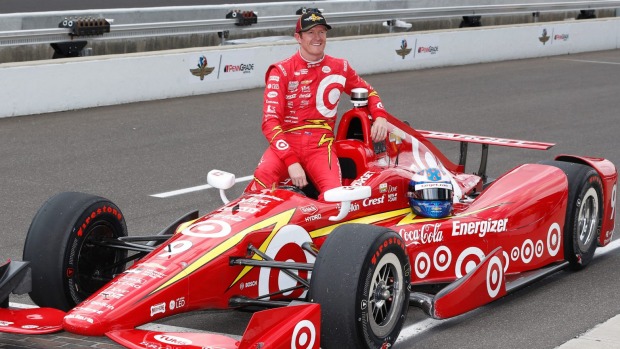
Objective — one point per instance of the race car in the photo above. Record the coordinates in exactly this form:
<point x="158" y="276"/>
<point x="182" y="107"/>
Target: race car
<point x="407" y="228"/>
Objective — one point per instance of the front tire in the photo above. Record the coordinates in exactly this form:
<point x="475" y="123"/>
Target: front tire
<point x="583" y="213"/>
<point x="361" y="280"/>
<point x="67" y="263"/>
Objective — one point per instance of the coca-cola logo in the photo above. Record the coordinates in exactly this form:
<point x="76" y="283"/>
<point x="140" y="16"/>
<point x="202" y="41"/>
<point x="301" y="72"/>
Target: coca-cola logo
<point x="426" y="234"/>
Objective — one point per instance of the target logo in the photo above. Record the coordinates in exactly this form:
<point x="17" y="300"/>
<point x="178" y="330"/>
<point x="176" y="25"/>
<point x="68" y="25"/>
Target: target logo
<point x="208" y="229"/>
<point x="495" y="276"/>
<point x="527" y="251"/>
<point x="554" y="238"/>
<point x="467" y="261"/>
<point x="506" y="261"/>
<point x="286" y="246"/>
<point x="422" y="265"/>
<point x="176" y="247"/>
<point x="515" y="254"/>
<point x="328" y="94"/>
<point x="442" y="258"/>
<point x="540" y="249"/>
<point x="304" y="335"/>
<point x="281" y="145"/>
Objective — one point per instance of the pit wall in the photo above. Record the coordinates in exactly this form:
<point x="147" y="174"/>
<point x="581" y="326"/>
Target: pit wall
<point x="85" y="82"/>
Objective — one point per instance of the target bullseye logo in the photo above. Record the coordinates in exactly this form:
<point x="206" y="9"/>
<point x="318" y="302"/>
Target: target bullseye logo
<point x="515" y="253"/>
<point x="208" y="229"/>
<point x="467" y="261"/>
<point x="540" y="248"/>
<point x="527" y="251"/>
<point x="442" y="258"/>
<point x="281" y="145"/>
<point x="328" y="94"/>
<point x="553" y="239"/>
<point x="304" y="335"/>
<point x="495" y="276"/>
<point x="422" y="265"/>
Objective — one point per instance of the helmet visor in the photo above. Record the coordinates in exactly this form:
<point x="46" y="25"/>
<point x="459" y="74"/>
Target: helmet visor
<point x="432" y="191"/>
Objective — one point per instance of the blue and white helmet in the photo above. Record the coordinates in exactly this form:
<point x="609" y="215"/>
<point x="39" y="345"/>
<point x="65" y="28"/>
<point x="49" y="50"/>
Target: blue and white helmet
<point x="429" y="194"/>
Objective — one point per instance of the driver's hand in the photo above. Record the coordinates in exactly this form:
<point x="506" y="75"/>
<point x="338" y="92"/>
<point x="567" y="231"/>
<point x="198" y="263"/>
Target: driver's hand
<point x="298" y="175"/>
<point x="378" y="131"/>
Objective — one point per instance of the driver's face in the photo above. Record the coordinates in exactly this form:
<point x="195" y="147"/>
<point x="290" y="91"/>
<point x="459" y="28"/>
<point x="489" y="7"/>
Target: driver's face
<point x="312" y="43"/>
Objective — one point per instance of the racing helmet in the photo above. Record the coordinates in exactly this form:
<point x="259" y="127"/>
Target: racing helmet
<point x="430" y="195"/>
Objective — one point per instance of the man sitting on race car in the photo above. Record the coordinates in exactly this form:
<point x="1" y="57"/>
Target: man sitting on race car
<point x="299" y="112"/>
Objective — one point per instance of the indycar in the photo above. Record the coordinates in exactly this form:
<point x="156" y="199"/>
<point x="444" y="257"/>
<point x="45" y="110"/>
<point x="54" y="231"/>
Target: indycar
<point x="340" y="272"/>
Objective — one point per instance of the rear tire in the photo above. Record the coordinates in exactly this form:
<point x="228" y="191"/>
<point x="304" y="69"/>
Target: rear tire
<point x="67" y="264"/>
<point x="361" y="280"/>
<point x="583" y="213"/>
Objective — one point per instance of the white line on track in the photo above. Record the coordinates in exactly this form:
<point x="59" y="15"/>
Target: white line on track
<point x="193" y="189"/>
<point x="586" y="61"/>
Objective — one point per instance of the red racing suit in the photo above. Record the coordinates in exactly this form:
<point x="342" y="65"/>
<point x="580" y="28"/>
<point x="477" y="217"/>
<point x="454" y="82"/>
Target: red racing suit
<point x="299" y="117"/>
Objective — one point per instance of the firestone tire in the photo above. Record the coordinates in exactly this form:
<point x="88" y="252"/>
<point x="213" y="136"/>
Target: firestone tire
<point x="61" y="246"/>
<point x="361" y="280"/>
<point x="583" y="213"/>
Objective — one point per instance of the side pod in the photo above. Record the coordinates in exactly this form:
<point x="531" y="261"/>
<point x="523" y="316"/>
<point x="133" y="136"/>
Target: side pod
<point x="297" y="325"/>
<point x="480" y="286"/>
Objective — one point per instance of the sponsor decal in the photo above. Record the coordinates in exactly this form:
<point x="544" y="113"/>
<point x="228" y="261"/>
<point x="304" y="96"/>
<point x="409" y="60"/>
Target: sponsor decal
<point x="292" y="85"/>
<point x="363" y="178"/>
<point x="208" y="229"/>
<point x="281" y="145"/>
<point x="201" y="69"/>
<point x="274" y="78"/>
<point x="176" y="247"/>
<point x="383" y="187"/>
<point x="273" y="86"/>
<point x="387" y="243"/>
<point x="428" y="233"/>
<point x="429" y="49"/>
<point x="80" y="317"/>
<point x="272" y="94"/>
<point x="304" y="335"/>
<point x="305" y="95"/>
<point x="480" y="228"/>
<point x="392" y="197"/>
<point x="176" y="303"/>
<point x="373" y="201"/>
<point x="271" y="109"/>
<point x="309" y="209"/>
<point x="560" y="37"/>
<point x="159" y="308"/>
<point x="403" y="51"/>
<point x="544" y="37"/>
<point x="97" y="212"/>
<point x="244" y="68"/>
<point x="289" y="97"/>
<point x="315" y="217"/>
<point x="172" y="340"/>
<point x="326" y="69"/>
<point x="6" y="323"/>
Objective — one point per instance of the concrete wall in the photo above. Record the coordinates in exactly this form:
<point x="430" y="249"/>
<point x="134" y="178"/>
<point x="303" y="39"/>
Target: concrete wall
<point x="66" y="84"/>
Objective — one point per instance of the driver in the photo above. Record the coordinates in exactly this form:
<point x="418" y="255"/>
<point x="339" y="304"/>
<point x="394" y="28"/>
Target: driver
<point x="299" y="112"/>
<point x="430" y="195"/>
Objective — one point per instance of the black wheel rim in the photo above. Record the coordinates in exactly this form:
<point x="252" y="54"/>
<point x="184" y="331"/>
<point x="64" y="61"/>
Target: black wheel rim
<point x="96" y="265"/>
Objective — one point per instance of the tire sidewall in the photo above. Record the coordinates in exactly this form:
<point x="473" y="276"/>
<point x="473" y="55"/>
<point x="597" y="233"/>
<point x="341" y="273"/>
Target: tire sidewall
<point x="389" y="243"/>
<point x="573" y="253"/>
<point x="56" y="239"/>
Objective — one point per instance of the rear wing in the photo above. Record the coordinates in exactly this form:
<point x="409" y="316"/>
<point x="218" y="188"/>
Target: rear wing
<point x="485" y="141"/>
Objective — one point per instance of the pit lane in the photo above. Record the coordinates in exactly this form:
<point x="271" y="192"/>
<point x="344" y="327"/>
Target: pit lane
<point x="127" y="153"/>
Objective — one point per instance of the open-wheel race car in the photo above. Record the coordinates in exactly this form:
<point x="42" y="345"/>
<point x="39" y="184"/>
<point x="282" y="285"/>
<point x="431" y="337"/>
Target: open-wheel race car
<point x="340" y="272"/>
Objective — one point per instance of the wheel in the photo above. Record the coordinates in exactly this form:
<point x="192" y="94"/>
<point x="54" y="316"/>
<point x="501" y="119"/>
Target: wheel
<point x="583" y="213"/>
<point x="67" y="263"/>
<point x="361" y="280"/>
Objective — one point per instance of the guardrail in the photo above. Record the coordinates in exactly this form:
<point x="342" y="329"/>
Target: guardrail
<point x="224" y="25"/>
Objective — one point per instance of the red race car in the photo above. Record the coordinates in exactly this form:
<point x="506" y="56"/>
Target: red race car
<point x="408" y="228"/>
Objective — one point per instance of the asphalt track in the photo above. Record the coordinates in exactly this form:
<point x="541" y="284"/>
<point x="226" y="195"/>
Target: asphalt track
<point x="131" y="152"/>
